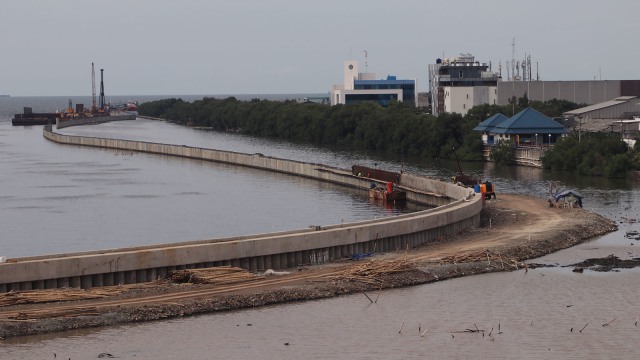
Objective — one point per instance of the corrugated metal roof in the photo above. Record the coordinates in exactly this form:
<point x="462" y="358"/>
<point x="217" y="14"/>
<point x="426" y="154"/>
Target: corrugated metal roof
<point x="529" y="121"/>
<point x="602" y="105"/>
<point x="491" y="122"/>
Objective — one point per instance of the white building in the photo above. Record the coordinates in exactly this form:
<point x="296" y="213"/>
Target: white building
<point x="363" y="87"/>
<point x="458" y="85"/>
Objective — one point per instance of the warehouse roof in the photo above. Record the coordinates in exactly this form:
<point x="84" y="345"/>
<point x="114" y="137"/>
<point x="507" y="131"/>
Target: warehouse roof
<point x="602" y="105"/>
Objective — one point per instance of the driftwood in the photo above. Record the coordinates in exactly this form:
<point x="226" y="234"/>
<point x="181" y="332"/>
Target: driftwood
<point x="476" y="330"/>
<point x="609" y="323"/>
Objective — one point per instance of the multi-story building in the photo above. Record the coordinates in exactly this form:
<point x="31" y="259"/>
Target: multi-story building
<point x="362" y="87"/>
<point x="462" y="83"/>
<point x="458" y="85"/>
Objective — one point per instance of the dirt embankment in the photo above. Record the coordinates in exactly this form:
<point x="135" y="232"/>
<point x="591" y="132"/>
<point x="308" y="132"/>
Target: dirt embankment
<point x="514" y="228"/>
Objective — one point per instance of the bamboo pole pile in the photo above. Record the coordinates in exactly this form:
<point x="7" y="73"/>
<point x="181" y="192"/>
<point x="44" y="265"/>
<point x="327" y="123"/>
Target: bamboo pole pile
<point x="55" y="295"/>
<point x="221" y="275"/>
<point x="66" y="294"/>
<point x="474" y="256"/>
<point x="52" y="313"/>
<point x="372" y="271"/>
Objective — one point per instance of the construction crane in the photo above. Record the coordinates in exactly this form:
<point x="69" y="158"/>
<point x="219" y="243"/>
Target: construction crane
<point x="102" y="90"/>
<point x="94" y="108"/>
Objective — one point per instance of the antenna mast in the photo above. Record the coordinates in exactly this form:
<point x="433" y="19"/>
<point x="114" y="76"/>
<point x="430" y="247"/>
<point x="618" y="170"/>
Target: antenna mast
<point x="513" y="59"/>
<point x="366" y="65"/>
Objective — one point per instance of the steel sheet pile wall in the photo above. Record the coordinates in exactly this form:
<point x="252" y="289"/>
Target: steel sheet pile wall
<point x="256" y="252"/>
<point x="92" y="120"/>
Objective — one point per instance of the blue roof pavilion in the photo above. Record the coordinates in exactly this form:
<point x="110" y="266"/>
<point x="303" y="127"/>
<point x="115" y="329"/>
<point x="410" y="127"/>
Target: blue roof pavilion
<point x="529" y="121"/>
<point x="491" y="122"/>
<point x="526" y="128"/>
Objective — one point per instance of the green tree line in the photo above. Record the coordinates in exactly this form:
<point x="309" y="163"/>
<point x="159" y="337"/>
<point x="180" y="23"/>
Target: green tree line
<point x="599" y="154"/>
<point x="397" y="129"/>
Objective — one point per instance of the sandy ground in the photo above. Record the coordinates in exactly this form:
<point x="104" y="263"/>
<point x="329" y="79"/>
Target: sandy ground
<point x="514" y="228"/>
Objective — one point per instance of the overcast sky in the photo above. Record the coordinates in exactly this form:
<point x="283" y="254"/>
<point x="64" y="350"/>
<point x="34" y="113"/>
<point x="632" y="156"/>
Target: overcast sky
<point x="157" y="47"/>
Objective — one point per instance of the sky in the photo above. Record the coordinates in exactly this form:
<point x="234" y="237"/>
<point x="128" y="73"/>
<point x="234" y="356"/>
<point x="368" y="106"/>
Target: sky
<point x="192" y="47"/>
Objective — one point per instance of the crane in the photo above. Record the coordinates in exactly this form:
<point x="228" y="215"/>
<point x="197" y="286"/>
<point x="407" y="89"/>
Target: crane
<point x="102" y="90"/>
<point x="94" y="108"/>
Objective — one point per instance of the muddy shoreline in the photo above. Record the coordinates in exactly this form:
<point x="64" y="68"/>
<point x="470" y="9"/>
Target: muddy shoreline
<point x="509" y="255"/>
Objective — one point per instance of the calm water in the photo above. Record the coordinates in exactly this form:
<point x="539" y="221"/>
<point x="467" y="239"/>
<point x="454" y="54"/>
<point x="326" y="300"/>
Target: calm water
<point x="62" y="198"/>
<point x="58" y="198"/>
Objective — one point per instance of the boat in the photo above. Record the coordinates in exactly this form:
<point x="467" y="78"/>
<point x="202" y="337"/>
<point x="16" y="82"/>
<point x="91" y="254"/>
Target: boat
<point x="382" y="194"/>
<point x="388" y="194"/>
<point x="131" y="106"/>
<point x="462" y="178"/>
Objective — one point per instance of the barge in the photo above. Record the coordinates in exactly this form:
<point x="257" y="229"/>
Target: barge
<point x="28" y="117"/>
<point x="388" y="194"/>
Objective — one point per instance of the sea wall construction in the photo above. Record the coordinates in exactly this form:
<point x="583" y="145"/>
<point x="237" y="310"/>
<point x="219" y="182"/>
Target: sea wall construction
<point x="457" y="209"/>
<point x="63" y="123"/>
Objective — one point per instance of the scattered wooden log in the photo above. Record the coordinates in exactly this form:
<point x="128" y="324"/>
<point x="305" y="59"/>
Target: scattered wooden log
<point x="585" y="325"/>
<point x="612" y="320"/>
<point x="379" y="291"/>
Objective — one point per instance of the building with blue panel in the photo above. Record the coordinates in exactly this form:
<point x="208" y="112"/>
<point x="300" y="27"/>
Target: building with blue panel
<point x="365" y="87"/>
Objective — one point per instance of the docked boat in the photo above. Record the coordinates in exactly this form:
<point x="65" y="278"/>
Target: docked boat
<point x="387" y="196"/>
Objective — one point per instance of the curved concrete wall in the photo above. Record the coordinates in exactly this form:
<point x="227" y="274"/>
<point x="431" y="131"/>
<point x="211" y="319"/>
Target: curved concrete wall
<point x="92" y="120"/>
<point x="458" y="210"/>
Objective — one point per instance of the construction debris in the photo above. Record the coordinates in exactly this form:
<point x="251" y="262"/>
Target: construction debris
<point x="51" y="295"/>
<point x="480" y="255"/>
<point x="221" y="275"/>
<point x="372" y="271"/>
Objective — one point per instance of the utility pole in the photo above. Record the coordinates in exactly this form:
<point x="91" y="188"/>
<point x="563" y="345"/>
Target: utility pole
<point x="580" y="129"/>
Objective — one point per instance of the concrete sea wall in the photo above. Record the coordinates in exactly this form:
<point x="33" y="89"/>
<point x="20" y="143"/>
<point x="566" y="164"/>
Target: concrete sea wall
<point x="457" y="209"/>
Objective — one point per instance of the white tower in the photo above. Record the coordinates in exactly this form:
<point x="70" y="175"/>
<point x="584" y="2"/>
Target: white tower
<point x="350" y="73"/>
